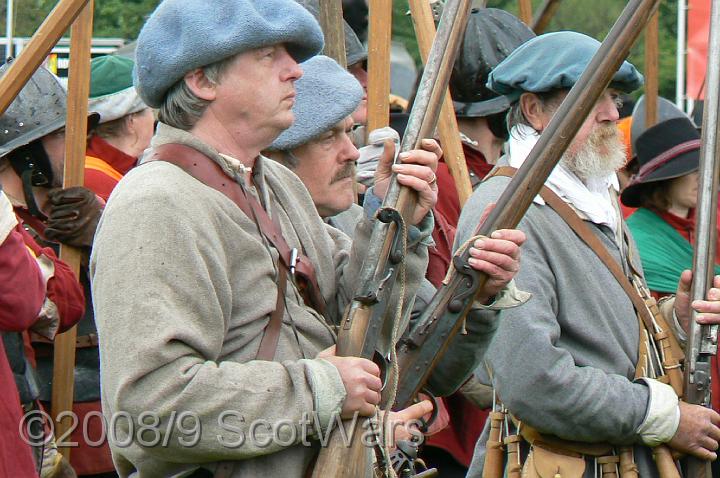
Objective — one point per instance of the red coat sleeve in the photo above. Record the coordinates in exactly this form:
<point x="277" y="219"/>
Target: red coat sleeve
<point x="63" y="288"/>
<point x="22" y="289"/>
<point x="448" y="202"/>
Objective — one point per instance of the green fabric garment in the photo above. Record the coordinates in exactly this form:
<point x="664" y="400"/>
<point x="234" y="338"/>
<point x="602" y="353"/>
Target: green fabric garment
<point x="663" y="251"/>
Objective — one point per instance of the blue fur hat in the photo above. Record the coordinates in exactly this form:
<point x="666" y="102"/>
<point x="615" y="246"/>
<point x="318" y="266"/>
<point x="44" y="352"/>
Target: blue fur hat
<point x="182" y="35"/>
<point x="325" y="95"/>
<point x="554" y="61"/>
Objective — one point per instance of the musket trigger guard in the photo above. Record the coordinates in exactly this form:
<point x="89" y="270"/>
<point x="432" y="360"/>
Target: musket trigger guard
<point x="397" y="250"/>
<point x="383" y="364"/>
<point x="426" y="424"/>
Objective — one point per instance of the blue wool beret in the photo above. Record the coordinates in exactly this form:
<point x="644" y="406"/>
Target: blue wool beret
<point x="325" y="95"/>
<point x="554" y="61"/>
<point x="182" y="35"/>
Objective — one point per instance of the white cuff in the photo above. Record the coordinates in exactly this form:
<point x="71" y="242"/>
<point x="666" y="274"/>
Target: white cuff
<point x="8" y="220"/>
<point x="663" y="414"/>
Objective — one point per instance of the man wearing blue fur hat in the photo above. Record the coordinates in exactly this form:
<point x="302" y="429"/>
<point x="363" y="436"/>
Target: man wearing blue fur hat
<point x="583" y="380"/>
<point x="216" y="285"/>
<point x="319" y="149"/>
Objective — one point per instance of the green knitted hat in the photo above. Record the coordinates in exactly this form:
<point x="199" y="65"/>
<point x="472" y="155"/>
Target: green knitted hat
<point x="112" y="93"/>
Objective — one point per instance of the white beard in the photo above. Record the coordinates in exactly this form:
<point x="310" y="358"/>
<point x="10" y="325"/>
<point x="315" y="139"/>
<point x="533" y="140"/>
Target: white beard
<point x="603" y="153"/>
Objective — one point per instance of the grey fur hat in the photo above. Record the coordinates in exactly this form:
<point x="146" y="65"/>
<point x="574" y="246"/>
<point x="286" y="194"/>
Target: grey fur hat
<point x="325" y="95"/>
<point x="182" y="35"/>
<point x="355" y="52"/>
<point x="553" y="61"/>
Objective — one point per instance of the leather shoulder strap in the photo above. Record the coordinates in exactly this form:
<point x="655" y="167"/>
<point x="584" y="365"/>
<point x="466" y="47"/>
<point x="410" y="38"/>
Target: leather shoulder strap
<point x="645" y="307"/>
<point x="211" y="174"/>
<point x="584" y="232"/>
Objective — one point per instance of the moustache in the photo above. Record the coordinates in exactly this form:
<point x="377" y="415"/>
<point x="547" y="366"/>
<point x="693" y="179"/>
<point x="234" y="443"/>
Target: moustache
<point x="605" y="132"/>
<point x="346" y="172"/>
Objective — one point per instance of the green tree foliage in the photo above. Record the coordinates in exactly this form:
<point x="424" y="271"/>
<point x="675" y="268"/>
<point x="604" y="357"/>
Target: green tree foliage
<point x="113" y="18"/>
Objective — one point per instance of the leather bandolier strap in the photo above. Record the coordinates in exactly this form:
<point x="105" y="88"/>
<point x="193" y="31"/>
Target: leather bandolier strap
<point x="291" y="261"/>
<point x="648" y="315"/>
<point x="645" y="308"/>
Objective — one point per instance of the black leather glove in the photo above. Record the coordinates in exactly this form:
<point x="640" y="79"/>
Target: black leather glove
<point x="74" y="215"/>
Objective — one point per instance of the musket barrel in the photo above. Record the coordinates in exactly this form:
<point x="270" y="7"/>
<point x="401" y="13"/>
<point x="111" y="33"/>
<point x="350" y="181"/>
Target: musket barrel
<point x="702" y="340"/>
<point x="417" y="362"/>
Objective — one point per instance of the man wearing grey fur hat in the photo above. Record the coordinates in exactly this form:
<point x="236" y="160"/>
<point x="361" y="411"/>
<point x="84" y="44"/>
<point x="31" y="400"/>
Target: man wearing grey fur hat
<point x="318" y="148"/>
<point x="576" y="368"/>
<point x="216" y="285"/>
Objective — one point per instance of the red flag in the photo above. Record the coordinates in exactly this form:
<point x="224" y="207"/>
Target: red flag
<point x="698" y="32"/>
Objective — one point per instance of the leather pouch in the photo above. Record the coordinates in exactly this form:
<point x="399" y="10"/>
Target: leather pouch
<point x="545" y="463"/>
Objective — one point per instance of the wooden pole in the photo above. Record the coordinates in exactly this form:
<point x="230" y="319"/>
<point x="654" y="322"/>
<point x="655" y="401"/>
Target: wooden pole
<point x="332" y="24"/>
<point x="525" y="11"/>
<point x="544" y="15"/>
<point x="75" y="142"/>
<point x="37" y="49"/>
<point x="380" y="30"/>
<point x="651" y="71"/>
<point x="447" y="123"/>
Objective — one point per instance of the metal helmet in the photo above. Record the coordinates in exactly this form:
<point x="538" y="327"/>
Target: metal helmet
<point x="491" y="35"/>
<point x="38" y="110"/>
<point x="666" y="110"/>
<point x="354" y="50"/>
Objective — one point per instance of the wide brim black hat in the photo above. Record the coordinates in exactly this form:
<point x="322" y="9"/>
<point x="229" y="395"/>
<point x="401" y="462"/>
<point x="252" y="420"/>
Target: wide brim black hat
<point x="668" y="150"/>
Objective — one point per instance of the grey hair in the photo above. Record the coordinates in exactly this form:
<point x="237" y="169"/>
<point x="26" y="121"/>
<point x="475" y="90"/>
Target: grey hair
<point x="181" y="108"/>
<point x="515" y="116"/>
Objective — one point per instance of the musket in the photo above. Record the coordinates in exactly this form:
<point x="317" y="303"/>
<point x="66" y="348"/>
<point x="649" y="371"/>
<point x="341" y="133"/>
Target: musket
<point x="444" y="317"/>
<point x="362" y="325"/>
<point x="702" y="339"/>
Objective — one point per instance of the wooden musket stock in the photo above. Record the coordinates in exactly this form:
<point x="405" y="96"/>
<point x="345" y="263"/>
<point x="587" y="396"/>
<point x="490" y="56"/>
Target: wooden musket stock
<point x="363" y="323"/>
<point x="445" y="314"/>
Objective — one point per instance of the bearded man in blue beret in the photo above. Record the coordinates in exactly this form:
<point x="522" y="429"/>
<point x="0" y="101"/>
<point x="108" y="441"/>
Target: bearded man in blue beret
<point x="582" y="378"/>
<point x="217" y="287"/>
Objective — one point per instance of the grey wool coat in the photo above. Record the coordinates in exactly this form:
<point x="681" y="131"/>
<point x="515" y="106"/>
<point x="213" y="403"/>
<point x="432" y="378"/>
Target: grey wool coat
<point x="564" y="362"/>
<point x="183" y="286"/>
